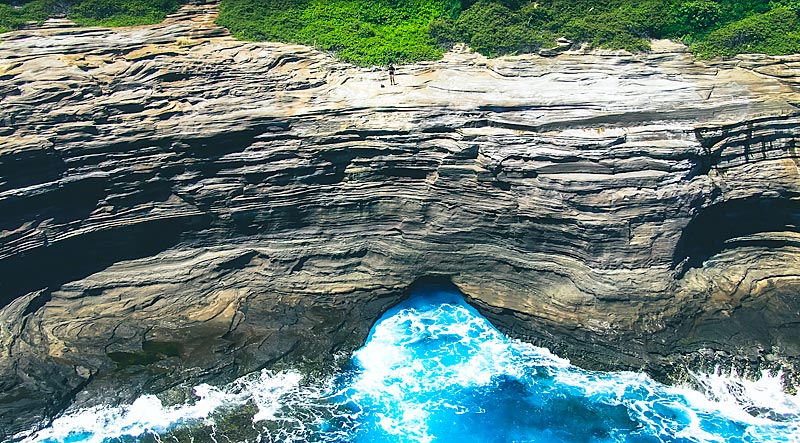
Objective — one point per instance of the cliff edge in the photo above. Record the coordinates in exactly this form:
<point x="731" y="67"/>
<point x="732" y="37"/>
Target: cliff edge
<point x="177" y="205"/>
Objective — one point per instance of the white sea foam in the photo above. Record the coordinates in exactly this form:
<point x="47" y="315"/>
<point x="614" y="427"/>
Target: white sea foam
<point x="437" y="357"/>
<point x="760" y="408"/>
<point x="749" y="400"/>
<point x="148" y="414"/>
<point x="396" y="370"/>
<point x="766" y="411"/>
<point x="399" y="377"/>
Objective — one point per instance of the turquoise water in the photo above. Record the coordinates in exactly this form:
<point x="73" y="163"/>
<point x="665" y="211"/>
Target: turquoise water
<point x="434" y="370"/>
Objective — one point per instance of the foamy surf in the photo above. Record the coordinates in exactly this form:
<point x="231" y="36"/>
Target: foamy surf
<point x="148" y="415"/>
<point x="434" y="370"/>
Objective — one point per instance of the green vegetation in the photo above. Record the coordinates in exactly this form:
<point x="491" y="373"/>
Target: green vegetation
<point x="365" y="32"/>
<point x="493" y="28"/>
<point x="121" y="12"/>
<point x="9" y="19"/>
<point x="775" y="32"/>
<point x="152" y="351"/>
<point x="15" y="14"/>
<point x="713" y="27"/>
<point x="128" y="359"/>
<point x="378" y="32"/>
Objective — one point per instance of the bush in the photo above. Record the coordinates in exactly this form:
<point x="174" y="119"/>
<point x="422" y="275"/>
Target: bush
<point x="699" y="15"/>
<point x="375" y="32"/>
<point x="363" y="32"/>
<point x="86" y="12"/>
<point x="492" y="29"/>
<point x="121" y="12"/>
<point x="9" y="18"/>
<point x="444" y="33"/>
<point x="735" y="10"/>
<point x="12" y="17"/>
<point x="534" y="15"/>
<point x="774" y="33"/>
<point x="621" y="28"/>
<point x="716" y="27"/>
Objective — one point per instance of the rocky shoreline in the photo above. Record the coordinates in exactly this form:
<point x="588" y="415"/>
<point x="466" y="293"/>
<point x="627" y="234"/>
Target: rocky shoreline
<point x="178" y="206"/>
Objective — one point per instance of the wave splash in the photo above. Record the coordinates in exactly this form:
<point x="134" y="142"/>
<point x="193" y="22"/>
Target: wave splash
<point x="434" y="370"/>
<point x="270" y="395"/>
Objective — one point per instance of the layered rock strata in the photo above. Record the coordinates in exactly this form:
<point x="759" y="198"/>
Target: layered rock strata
<point x="178" y="206"/>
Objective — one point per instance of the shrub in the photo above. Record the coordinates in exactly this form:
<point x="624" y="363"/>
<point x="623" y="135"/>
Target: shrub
<point x="775" y="32"/>
<point x="9" y="18"/>
<point x="534" y="15"/>
<point x="444" y="33"/>
<point x="12" y="17"/>
<point x="364" y="32"/>
<point x="370" y="32"/>
<point x="121" y="12"/>
<point x="86" y="12"/>
<point x="619" y="28"/>
<point x="493" y="29"/>
<point x="699" y="15"/>
<point x="735" y="10"/>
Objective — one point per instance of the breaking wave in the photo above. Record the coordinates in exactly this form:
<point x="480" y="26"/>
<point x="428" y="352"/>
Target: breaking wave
<point x="434" y="370"/>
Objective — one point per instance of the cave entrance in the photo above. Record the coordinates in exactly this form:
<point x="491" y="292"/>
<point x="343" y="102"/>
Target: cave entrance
<point x="737" y="223"/>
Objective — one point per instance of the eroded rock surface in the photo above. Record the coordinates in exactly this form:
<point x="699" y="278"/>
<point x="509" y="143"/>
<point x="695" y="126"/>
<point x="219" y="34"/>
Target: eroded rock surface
<point x="179" y="206"/>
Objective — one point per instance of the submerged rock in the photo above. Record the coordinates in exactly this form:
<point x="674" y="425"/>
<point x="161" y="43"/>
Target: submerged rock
<point x="181" y="206"/>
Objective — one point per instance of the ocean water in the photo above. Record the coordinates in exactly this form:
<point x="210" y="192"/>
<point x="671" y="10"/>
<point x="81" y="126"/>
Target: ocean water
<point x="434" y="370"/>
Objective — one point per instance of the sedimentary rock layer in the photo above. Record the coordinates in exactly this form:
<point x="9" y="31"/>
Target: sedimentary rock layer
<point x="179" y="206"/>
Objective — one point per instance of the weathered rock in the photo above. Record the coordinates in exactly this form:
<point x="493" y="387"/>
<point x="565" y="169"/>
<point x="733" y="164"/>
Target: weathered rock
<point x="181" y="206"/>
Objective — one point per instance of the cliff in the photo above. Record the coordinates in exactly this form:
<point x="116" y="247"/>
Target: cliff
<point x="178" y="206"/>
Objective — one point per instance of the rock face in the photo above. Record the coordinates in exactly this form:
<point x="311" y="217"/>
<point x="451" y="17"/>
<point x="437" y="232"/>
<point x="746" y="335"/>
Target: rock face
<point x="178" y="206"/>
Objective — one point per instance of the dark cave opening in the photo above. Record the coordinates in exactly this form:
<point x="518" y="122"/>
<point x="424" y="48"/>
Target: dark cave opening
<point x="73" y="258"/>
<point x="733" y="224"/>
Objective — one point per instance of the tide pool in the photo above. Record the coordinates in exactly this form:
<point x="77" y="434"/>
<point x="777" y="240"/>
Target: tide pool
<point x="434" y="370"/>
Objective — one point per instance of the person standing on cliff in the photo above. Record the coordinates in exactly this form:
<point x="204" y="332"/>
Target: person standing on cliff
<point x="391" y="74"/>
